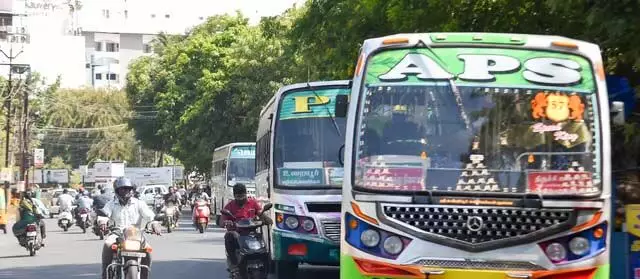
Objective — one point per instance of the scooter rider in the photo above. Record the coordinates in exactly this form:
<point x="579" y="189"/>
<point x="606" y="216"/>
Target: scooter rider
<point x="65" y="201"/>
<point x="29" y="204"/>
<point x="125" y="211"/>
<point x="241" y="208"/>
<point x="199" y="194"/>
<point x="173" y="199"/>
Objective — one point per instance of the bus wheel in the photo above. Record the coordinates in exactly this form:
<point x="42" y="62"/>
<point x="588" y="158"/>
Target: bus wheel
<point x="286" y="269"/>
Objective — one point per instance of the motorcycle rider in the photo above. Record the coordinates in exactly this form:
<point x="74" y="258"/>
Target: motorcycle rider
<point x="65" y="201"/>
<point x="30" y="205"/>
<point x="173" y="199"/>
<point x="199" y="194"/>
<point x="241" y="208"/>
<point x="124" y="211"/>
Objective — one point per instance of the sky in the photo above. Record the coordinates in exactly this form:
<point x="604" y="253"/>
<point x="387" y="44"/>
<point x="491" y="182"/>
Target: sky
<point x="253" y="9"/>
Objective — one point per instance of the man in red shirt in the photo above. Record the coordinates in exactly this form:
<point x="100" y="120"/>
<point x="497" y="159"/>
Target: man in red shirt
<point x="241" y="208"/>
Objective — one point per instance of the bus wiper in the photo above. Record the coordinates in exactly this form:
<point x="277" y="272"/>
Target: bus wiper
<point x="335" y="124"/>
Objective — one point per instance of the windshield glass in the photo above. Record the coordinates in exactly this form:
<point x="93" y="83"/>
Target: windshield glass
<point x="242" y="164"/>
<point x="308" y="138"/>
<point x="456" y="136"/>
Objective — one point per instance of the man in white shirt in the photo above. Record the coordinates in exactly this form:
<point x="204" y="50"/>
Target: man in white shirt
<point x="125" y="211"/>
<point x="65" y="201"/>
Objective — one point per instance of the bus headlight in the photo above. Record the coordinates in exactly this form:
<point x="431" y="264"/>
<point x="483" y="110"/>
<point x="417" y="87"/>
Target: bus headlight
<point x="370" y="238"/>
<point x="308" y="225"/>
<point x="292" y="222"/>
<point x="556" y="252"/>
<point x="392" y="245"/>
<point x="579" y="246"/>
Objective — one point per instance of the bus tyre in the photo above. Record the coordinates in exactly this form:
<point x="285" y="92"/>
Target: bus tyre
<point x="286" y="269"/>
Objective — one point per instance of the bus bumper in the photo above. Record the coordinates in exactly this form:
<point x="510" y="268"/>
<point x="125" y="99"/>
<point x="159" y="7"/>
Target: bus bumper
<point x="304" y="249"/>
<point x="354" y="268"/>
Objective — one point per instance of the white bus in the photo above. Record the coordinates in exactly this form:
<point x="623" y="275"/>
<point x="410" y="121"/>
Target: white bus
<point x="298" y="148"/>
<point x="232" y="163"/>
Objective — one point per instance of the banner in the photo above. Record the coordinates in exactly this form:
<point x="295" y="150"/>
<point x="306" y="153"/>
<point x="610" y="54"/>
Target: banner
<point x="38" y="158"/>
<point x="317" y="103"/>
<point x="295" y="177"/>
<point x="50" y="176"/>
<point x="243" y="152"/>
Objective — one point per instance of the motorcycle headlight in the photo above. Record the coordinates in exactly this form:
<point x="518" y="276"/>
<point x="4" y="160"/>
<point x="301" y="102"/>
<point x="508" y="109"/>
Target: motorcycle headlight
<point x="132" y="245"/>
<point x="292" y="222"/>
<point x="253" y="244"/>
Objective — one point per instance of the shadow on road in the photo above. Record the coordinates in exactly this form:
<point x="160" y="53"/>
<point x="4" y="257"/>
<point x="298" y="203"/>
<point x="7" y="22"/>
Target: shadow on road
<point x="183" y="269"/>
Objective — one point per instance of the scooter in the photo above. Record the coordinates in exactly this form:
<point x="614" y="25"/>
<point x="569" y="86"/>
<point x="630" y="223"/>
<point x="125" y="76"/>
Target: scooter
<point x="82" y="220"/>
<point x="253" y="256"/>
<point x="158" y="204"/>
<point x="169" y="220"/>
<point x="202" y="211"/>
<point x="65" y="220"/>
<point x="31" y="239"/>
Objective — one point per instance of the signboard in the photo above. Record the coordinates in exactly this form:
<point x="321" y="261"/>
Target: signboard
<point x="243" y="152"/>
<point x="300" y="176"/>
<point x="50" y="176"/>
<point x="6" y="175"/>
<point x="108" y="169"/>
<point x="303" y="104"/>
<point x="560" y="182"/>
<point x="633" y="228"/>
<point x="89" y="177"/>
<point x="38" y="157"/>
<point x="148" y="176"/>
<point x="394" y="178"/>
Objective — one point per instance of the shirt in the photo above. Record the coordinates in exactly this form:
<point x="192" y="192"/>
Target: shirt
<point x="134" y="213"/>
<point x="40" y="207"/>
<point x="198" y="196"/>
<point x="85" y="202"/>
<point x="65" y="201"/>
<point x="250" y="209"/>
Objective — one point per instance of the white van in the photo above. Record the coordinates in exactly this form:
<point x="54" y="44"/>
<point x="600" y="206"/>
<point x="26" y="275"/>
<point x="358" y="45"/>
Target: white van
<point x="147" y="192"/>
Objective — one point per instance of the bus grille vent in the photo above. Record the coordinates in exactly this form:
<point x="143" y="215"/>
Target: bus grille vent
<point x="331" y="229"/>
<point x="482" y="265"/>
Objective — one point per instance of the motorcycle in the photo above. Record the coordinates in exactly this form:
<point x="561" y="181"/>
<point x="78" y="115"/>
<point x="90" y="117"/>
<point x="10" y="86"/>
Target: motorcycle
<point x="158" y="203"/>
<point x="170" y="219"/>
<point x="82" y="220"/>
<point x="65" y="220"/>
<point x="202" y="211"/>
<point x="128" y="251"/>
<point x="100" y="228"/>
<point x="32" y="239"/>
<point x="253" y="256"/>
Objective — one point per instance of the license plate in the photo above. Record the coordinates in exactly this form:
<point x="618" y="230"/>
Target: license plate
<point x="65" y="221"/>
<point x="133" y="254"/>
<point x="31" y="233"/>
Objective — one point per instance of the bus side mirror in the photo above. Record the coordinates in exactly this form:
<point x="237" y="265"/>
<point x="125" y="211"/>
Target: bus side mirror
<point x="617" y="112"/>
<point x="342" y="104"/>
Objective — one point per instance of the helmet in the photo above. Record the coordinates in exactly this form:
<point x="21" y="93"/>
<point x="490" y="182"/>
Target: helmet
<point x="29" y="193"/>
<point x="124" y="189"/>
<point x="65" y="191"/>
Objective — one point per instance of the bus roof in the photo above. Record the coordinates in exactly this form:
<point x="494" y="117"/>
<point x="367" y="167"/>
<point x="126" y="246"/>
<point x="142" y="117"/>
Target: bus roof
<point x="302" y="86"/>
<point x="558" y="43"/>
<point x="234" y="144"/>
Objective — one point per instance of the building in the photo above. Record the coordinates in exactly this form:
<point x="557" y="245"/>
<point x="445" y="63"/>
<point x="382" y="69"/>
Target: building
<point x="92" y="42"/>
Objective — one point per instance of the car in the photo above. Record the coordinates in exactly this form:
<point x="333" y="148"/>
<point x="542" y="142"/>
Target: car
<point x="53" y="207"/>
<point x="148" y="192"/>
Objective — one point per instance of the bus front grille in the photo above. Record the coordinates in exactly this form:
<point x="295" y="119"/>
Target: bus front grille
<point x="475" y="228"/>
<point x="482" y="265"/>
<point x="331" y="229"/>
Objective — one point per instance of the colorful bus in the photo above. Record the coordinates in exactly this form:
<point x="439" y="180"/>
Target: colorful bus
<point x="299" y="140"/>
<point x="476" y="156"/>
<point x="232" y="163"/>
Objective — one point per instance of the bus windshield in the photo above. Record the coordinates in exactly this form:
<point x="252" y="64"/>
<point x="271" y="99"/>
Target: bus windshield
<point x="477" y="138"/>
<point x="241" y="167"/>
<point x="308" y="138"/>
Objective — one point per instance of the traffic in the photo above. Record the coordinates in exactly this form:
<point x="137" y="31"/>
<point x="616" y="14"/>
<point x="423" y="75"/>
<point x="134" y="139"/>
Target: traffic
<point x="449" y="155"/>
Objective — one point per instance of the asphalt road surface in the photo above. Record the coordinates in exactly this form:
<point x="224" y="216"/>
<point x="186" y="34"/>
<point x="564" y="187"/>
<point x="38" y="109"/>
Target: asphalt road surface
<point x="183" y="254"/>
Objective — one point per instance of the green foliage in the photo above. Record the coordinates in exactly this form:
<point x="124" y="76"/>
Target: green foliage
<point x="57" y="163"/>
<point x="206" y="89"/>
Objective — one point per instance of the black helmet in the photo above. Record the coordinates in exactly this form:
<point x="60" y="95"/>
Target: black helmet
<point x="65" y="191"/>
<point x="239" y="189"/>
<point x="123" y="183"/>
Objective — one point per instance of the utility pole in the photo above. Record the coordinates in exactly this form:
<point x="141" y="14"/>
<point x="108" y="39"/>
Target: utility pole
<point x="24" y="166"/>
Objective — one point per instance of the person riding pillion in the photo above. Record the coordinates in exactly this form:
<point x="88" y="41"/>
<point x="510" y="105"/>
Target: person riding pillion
<point x="32" y="209"/>
<point x="241" y="207"/>
<point x="124" y="211"/>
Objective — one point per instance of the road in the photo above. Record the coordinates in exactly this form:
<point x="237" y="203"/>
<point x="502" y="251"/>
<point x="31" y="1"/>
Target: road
<point x="184" y="254"/>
